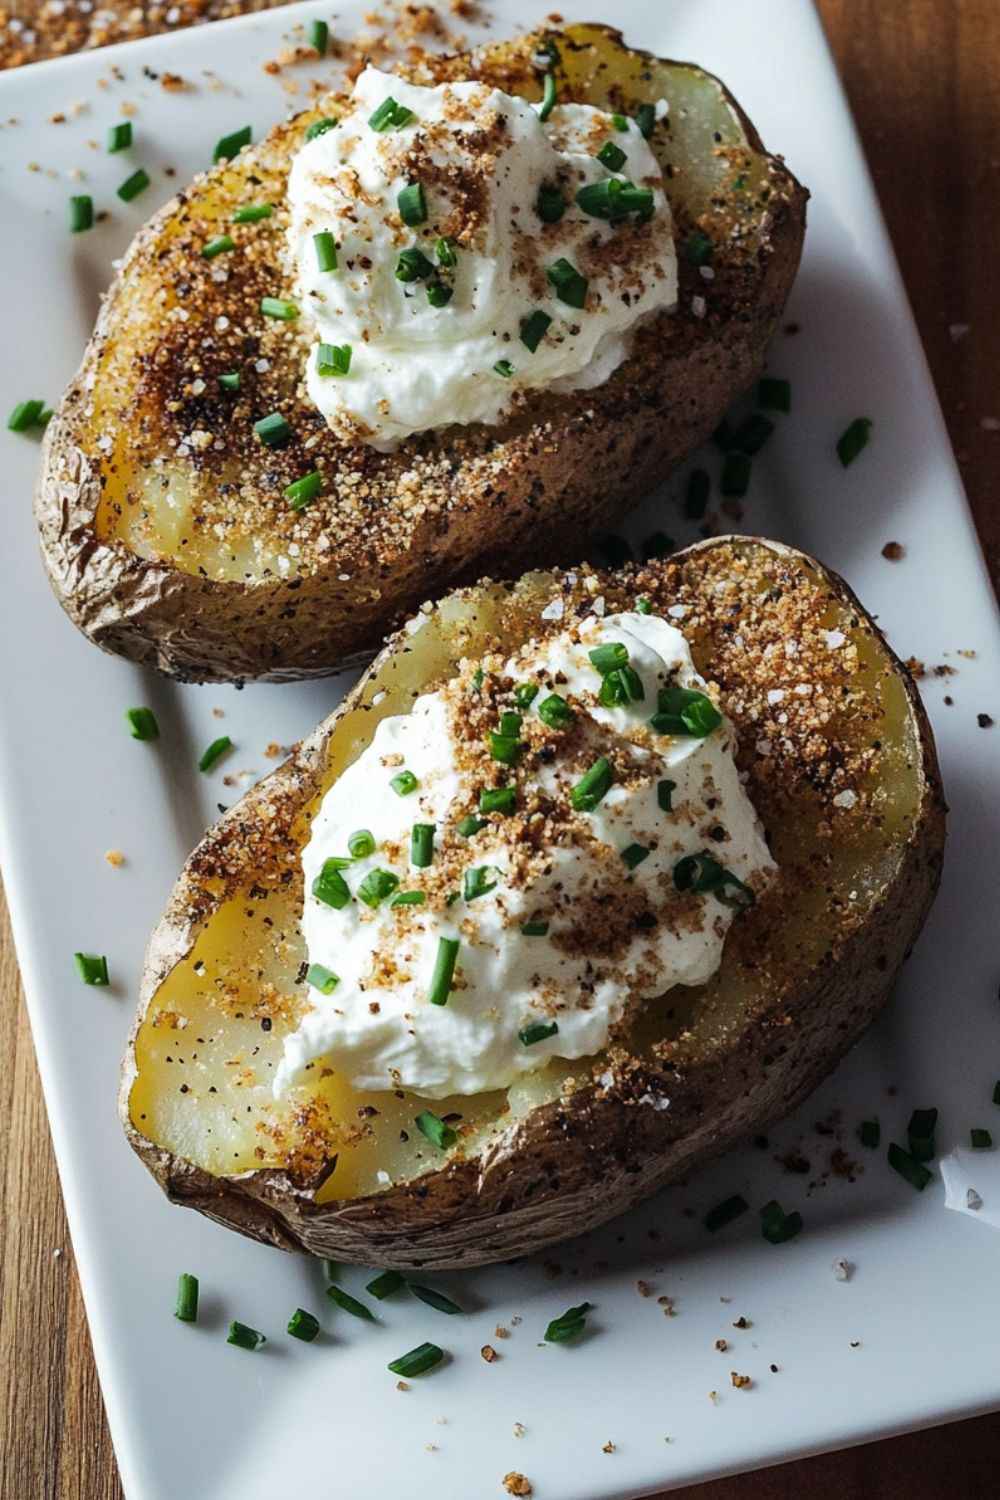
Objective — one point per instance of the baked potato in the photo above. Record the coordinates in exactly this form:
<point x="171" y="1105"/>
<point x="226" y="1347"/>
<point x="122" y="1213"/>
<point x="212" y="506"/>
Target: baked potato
<point x="842" y="773"/>
<point x="164" y="525"/>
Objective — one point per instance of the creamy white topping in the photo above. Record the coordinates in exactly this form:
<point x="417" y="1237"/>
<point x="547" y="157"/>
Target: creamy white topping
<point x="481" y="157"/>
<point x="377" y="1026"/>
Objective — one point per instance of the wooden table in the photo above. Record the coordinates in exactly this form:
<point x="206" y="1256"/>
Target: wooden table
<point x="924" y="82"/>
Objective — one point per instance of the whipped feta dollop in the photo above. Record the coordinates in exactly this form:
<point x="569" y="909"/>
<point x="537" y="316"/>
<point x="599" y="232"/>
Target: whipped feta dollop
<point x="453" y="343"/>
<point x="566" y="910"/>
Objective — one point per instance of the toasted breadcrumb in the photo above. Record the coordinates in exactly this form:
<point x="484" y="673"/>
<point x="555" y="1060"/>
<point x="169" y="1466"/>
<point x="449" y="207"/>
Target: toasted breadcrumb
<point x="517" y="1484"/>
<point x="115" y="858"/>
<point x="741" y="1382"/>
<point x="489" y="1353"/>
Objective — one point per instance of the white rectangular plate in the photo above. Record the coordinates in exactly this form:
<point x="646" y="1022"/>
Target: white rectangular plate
<point x="911" y="1339"/>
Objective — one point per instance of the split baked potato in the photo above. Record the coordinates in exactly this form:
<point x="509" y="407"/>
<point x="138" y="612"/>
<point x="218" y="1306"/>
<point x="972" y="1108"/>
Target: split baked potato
<point x="164" y="526"/>
<point x="843" y="775"/>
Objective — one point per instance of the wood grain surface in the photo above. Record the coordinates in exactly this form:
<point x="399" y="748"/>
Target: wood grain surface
<point x="923" y="78"/>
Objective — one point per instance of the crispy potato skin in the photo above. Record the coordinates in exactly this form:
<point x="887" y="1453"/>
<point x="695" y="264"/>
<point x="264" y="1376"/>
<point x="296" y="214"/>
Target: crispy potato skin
<point x="568" y="470"/>
<point x="575" y="1163"/>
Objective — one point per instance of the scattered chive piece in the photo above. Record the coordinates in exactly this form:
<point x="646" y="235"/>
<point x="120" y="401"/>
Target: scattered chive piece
<point x="408" y="898"/>
<point x="549" y="96"/>
<point x="698" y="248"/>
<point x="444" y="971"/>
<point x="439" y="294"/>
<point x="320" y="127"/>
<point x="435" y="1129"/>
<point x="634" y="855"/>
<point x="534" y="328"/>
<point x="620" y="122"/>
<point x="279" y="308"/>
<point x="510" y="723"/>
<point x="735" y="479"/>
<point x="696" y="496"/>
<point x="570" y="287"/>
<point x="996" y="1093"/>
<point x="319" y="35"/>
<point x="593" y="786"/>
<point x="568" y="1325"/>
<point x="25" y="414"/>
<point x="538" y="1031"/>
<point x="501" y="799"/>
<point x="142" y="722"/>
<point x="384" y="1285"/>
<point x="434" y="1299"/>
<point x="470" y="825"/>
<point x="215" y="752"/>
<point x="302" y="492"/>
<point x="404" y="784"/>
<point x="914" y="1172"/>
<point x="446" y="251"/>
<point x="331" y="1270"/>
<point x="504" y="367"/>
<point x="555" y="712"/>
<point x="134" y="185"/>
<point x="333" y="359"/>
<point x="752" y="434"/>
<point x="664" y="795"/>
<point x="609" y="657"/>
<point x="326" y="250"/>
<point x="643" y="606"/>
<point x="725" y="1212"/>
<point x="870" y="1134"/>
<point x="219" y="246"/>
<point x="252" y="213"/>
<point x="703" y="874"/>
<point x="525" y="694"/>
<point x="350" y="1304"/>
<point x="273" y="430"/>
<point x="685" y="711"/>
<point x="390" y="116"/>
<point x="550" y="205"/>
<point x="322" y="979"/>
<point x="92" y="968"/>
<point x="920" y="1134"/>
<point x="413" y="265"/>
<point x="777" y="1226"/>
<point x="302" y="1325"/>
<point x="411" y="204"/>
<point x="244" y="1337"/>
<point x="186" y="1308"/>
<point x="853" y="440"/>
<point x="981" y="1140"/>
<point x="119" y="135"/>
<point x="534" y="929"/>
<point x="422" y="845"/>
<point x="478" y="677"/>
<point x="477" y="881"/>
<point x="361" y="844"/>
<point x="774" y="394"/>
<point x="417" y="1361"/>
<point x="621" y="687"/>
<point x="229" y="145"/>
<point x="230" y="381"/>
<point x="505" y="748"/>
<point x="376" y="886"/>
<point x="611" y="156"/>
<point x="645" y="119"/>
<point x="330" y="887"/>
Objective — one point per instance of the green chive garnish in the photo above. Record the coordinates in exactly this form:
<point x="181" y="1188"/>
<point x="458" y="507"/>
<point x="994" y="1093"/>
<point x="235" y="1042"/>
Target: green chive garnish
<point x="385" y="1284"/>
<point x="320" y="127"/>
<point x="534" y="328"/>
<point x="330" y="887"/>
<point x="411" y="204"/>
<point x="774" y="394"/>
<point x="703" y="874"/>
<point x="613" y="199"/>
<point x="506" y="748"/>
<point x="619" y="122"/>
<point x="645" y="119"/>
<point x="851" y="442"/>
<point x="664" y="795"/>
<point x="361" y="844"/>
<point x="142" y="722"/>
<point x="609" y="657"/>
<point x="322" y="979"/>
<point x="571" y="1323"/>
<point x="504" y="367"/>
<point x="685" y="711"/>
<point x="534" y="929"/>
<point x="230" y="145"/>
<point x="478" y="678"/>
<point x="479" y="880"/>
<point x="413" y="265"/>
<point x="92" y="968"/>
<point x="612" y="156"/>
<point x="920" y="1134"/>
<point x="981" y="1140"/>
<point x="549" y="96"/>
<point x="777" y="1226"/>
<point x="725" y="1212"/>
<point x="538" y="1031"/>
<point x="219" y="246"/>
<point x="439" y="294"/>
<point x="446" y="251"/>
<point x="230" y="381"/>
<point x="736" y="471"/>
<point x="698" y="248"/>
<point x="696" y="495"/>
<point x="333" y="359"/>
<point x="26" y="414"/>
<point x="435" y="1129"/>
<point x="134" y="185"/>
<point x="376" y="887"/>
<point x="215" y="752"/>
<point x="408" y="898"/>
<point x="593" y="786"/>
<point x="350" y="1304"/>
<point x="279" y="308"/>
<point x="417" y="1361"/>
<point x="621" y="687"/>
<point x="470" y="825"/>
<point x="186" y="1307"/>
<point x="390" y="116"/>
<point x="444" y="971"/>
<point x="752" y="434"/>
<point x="525" y="694"/>
<point x="550" y="205"/>
<point x="434" y="1299"/>
<point x="422" y="845"/>
<point x="244" y="1337"/>
<point x="319" y="35"/>
<point x="913" y="1172"/>
<point x="273" y="431"/>
<point x="404" y="783"/>
<point x="643" y="606"/>
<point x="870" y="1134"/>
<point x="570" y="287"/>
<point x="326" y="250"/>
<point x="302" y="492"/>
<point x="119" y="136"/>
<point x="331" y="1270"/>
<point x="252" y="213"/>
<point x="634" y="855"/>
<point x="555" y="712"/>
<point x="302" y="1325"/>
<point x="501" y="799"/>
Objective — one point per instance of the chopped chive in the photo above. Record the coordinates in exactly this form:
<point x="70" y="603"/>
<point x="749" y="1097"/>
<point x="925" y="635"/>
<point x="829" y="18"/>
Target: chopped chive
<point x="774" y="394"/>
<point x="142" y="722"/>
<point x="550" y="94"/>
<point x="538" y="1031"/>
<point x="404" y="784"/>
<point x="504" y="367"/>
<point x="322" y="979"/>
<point x="439" y="294"/>
<point x="385" y="1284"/>
<point x="411" y="204"/>
<point x="920" y="1134"/>
<point x="703" y="874"/>
<point x="621" y="687"/>
<point x="550" y="205"/>
<point x="92" y="968"/>
<point x="302" y="1325"/>
<point x="434" y="1299"/>
<point x="119" y="136"/>
<point x="444" y="971"/>
<point x="981" y="1140"/>
<point x="302" y="492"/>
<point x="534" y="929"/>
<point x="609" y="657"/>
<point x="320" y="127"/>
<point x="229" y="145"/>
<point x="333" y="359"/>
<point x="685" y="711"/>
<point x="417" y="1361"/>
<point x="870" y="1134"/>
<point x="326" y="250"/>
<point x="665" y="794"/>
<point x="478" y="677"/>
<point x="777" y="1226"/>
<point x="435" y="1129"/>
<point x="613" y="199"/>
<point x="501" y="799"/>
<point x="505" y="748"/>
<point x="534" y="328"/>
<point x="479" y="880"/>
<point x="911" y="1170"/>
<point x="25" y="414"/>
<point x="252" y="213"/>
<point x="279" y="308"/>
<point x="634" y="855"/>
<point x="645" y="119"/>
<point x="219" y="246"/>
<point x="230" y="381"/>
<point x="330" y="887"/>
<point x="510" y="723"/>
<point x="422" y="845"/>
<point x="350" y="1304"/>
<point x="244" y="1337"/>
<point x="134" y="185"/>
<point x="470" y="825"/>
<point x="612" y="156"/>
<point x="696" y="495"/>
<point x="725" y="1212"/>
<point x="568" y="1325"/>
<point x="319" y="35"/>
<point x="186" y="1307"/>
<point x="593" y="786"/>
<point x="555" y="712"/>
<point x="525" y="694"/>
<point x="853" y="440"/>
<point x="698" y="248"/>
<point x="361" y="844"/>
<point x="413" y="265"/>
<point x="570" y="287"/>
<point x="619" y="122"/>
<point x="752" y="434"/>
<point x="446" y="251"/>
<point x="273" y="430"/>
<point x="735" y="479"/>
<point x="643" y="606"/>
<point x="408" y="898"/>
<point x="390" y="116"/>
<point x="216" y="750"/>
<point x="331" y="1270"/>
<point x="376" y="887"/>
